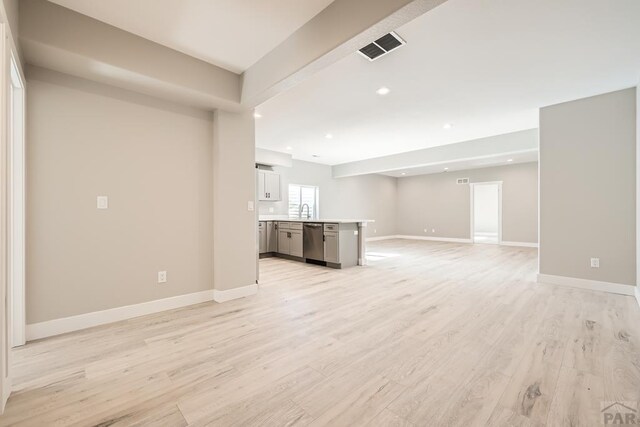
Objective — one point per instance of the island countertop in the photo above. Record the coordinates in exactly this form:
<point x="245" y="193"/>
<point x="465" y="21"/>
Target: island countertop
<point x="285" y="218"/>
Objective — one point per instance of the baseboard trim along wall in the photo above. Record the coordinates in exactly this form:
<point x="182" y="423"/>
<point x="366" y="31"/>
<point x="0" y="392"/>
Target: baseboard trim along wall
<point x="592" y="285"/>
<point x="638" y="295"/>
<point x="447" y="239"/>
<point x="520" y="244"/>
<point x="435" y="239"/>
<point x="378" y="238"/>
<point x="50" y="328"/>
<point x="235" y="293"/>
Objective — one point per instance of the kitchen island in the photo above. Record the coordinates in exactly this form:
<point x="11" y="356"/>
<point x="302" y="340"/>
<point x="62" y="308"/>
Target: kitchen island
<point x="336" y="243"/>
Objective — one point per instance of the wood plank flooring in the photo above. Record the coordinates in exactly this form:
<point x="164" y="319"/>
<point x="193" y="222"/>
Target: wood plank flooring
<point x="428" y="334"/>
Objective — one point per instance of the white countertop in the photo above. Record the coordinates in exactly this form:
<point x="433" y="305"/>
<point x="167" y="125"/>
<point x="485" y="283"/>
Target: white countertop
<point x="332" y="220"/>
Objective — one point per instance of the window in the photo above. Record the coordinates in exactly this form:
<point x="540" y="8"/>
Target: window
<point x="299" y="195"/>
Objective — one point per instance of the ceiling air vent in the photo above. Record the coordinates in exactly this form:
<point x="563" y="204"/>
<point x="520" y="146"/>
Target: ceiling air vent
<point x="462" y="181"/>
<point x="382" y="46"/>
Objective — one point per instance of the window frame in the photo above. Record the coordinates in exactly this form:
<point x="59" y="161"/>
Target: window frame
<point x="316" y="204"/>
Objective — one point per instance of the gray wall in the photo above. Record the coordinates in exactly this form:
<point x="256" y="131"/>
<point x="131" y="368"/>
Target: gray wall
<point x="361" y="197"/>
<point x="234" y="185"/>
<point x="437" y="202"/>
<point x="153" y="160"/>
<point x="588" y="188"/>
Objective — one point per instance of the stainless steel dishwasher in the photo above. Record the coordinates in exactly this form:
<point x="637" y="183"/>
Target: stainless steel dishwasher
<point x="313" y="242"/>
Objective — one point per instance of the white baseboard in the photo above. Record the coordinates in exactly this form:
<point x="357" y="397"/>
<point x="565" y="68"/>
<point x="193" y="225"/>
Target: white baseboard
<point x="446" y="239"/>
<point x="592" y="285"/>
<point x="6" y="391"/>
<point x="434" y="239"/>
<point x="638" y="295"/>
<point x="82" y="321"/>
<point x="521" y="244"/>
<point x="378" y="238"/>
<point x="235" y="293"/>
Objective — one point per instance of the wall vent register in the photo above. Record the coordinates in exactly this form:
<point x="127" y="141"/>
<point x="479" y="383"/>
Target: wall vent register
<point x="462" y="181"/>
<point x="382" y="46"/>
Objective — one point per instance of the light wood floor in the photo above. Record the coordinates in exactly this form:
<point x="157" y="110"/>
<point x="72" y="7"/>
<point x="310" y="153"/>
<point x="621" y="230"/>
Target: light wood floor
<point x="427" y="334"/>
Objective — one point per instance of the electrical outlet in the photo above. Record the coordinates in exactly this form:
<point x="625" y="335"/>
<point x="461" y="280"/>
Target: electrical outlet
<point x="425" y="230"/>
<point x="271" y="210"/>
<point x="595" y="262"/>
<point x="162" y="277"/>
<point x="433" y="230"/>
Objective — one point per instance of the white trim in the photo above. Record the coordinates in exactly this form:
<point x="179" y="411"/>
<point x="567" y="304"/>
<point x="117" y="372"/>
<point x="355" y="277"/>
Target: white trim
<point x="16" y="195"/>
<point x="472" y="213"/>
<point x="446" y="239"/>
<point x="235" y="293"/>
<point x="592" y="285"/>
<point x="434" y="239"/>
<point x="87" y="320"/>
<point x="7" y="388"/>
<point x="378" y="238"/>
<point x="522" y="244"/>
<point x="638" y="295"/>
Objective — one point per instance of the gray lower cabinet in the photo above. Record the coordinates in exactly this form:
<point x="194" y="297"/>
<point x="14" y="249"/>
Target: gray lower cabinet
<point x="262" y="237"/>
<point x="283" y="242"/>
<point x="290" y="239"/>
<point x="341" y="244"/>
<point x="331" y="247"/>
<point x="296" y="244"/>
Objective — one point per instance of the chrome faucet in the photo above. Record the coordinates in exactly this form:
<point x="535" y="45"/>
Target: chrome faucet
<point x="308" y="211"/>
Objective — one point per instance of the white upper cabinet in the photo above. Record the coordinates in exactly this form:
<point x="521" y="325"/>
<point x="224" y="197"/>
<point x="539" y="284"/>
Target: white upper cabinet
<point x="268" y="186"/>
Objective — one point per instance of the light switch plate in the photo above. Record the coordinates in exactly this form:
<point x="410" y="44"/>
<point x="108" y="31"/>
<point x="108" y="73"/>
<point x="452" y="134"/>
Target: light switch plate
<point x="162" y="277"/>
<point x="103" y="202"/>
<point x="595" y="262"/>
<point x="250" y="206"/>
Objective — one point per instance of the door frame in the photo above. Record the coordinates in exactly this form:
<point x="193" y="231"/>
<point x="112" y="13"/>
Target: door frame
<point x="16" y="155"/>
<point x="472" y="187"/>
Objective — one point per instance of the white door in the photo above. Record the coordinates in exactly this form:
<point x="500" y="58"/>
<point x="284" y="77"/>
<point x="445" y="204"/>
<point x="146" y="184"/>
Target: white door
<point x="272" y="183"/>
<point x="262" y="192"/>
<point x="486" y="212"/>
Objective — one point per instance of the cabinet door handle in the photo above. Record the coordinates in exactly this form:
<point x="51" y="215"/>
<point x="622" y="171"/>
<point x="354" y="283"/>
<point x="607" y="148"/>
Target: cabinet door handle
<point x="289" y="235"/>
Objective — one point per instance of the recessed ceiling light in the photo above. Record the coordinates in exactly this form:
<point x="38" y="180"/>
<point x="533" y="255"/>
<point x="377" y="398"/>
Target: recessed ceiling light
<point x="403" y="173"/>
<point x="289" y="148"/>
<point x="446" y="169"/>
<point x="448" y="126"/>
<point x="328" y="136"/>
<point x="510" y="160"/>
<point x="383" y="90"/>
<point x="257" y="115"/>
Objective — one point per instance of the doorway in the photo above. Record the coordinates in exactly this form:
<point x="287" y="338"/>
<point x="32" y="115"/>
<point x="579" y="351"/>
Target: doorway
<point x="486" y="212"/>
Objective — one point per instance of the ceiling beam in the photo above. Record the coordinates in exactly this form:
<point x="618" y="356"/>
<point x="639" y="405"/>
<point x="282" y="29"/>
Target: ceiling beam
<point x="62" y="40"/>
<point x="525" y="141"/>
<point x="339" y="30"/>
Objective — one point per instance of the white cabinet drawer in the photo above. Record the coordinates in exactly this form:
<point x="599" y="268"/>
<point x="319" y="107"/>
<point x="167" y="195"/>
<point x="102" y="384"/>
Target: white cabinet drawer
<point x="295" y="226"/>
<point x="331" y="227"/>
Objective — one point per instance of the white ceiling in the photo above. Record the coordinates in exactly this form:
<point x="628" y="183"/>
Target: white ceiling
<point x="465" y="164"/>
<point x="232" y="34"/>
<point x="485" y="66"/>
